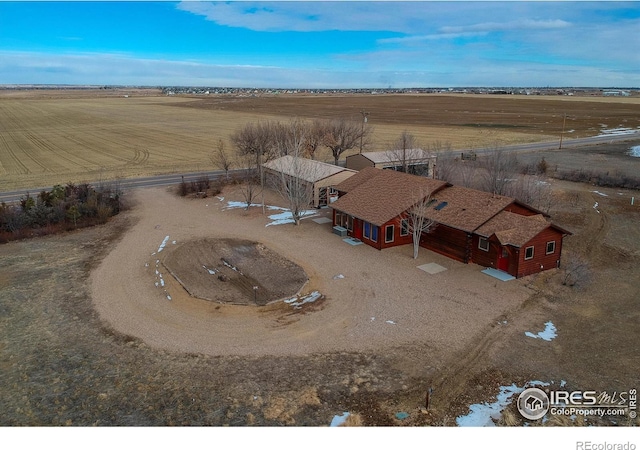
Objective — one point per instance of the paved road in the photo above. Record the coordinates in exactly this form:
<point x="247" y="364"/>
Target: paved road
<point x="166" y="180"/>
<point x="124" y="184"/>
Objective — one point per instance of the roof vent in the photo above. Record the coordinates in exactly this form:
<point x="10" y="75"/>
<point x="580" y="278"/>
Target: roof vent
<point x="440" y="206"/>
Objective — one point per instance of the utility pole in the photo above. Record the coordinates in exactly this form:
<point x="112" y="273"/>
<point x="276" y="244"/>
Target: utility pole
<point x="564" y="121"/>
<point x="364" y="121"/>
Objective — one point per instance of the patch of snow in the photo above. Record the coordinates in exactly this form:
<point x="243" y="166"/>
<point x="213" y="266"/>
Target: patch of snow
<point x="563" y="383"/>
<point x="548" y="334"/>
<point x="236" y="205"/>
<point x="373" y="318"/>
<point x="339" y="419"/>
<point x="168" y="297"/>
<point x="484" y="414"/>
<point x="162" y="282"/>
<point x="164" y="242"/>
<point x="615" y="131"/>
<point x="231" y="267"/>
<point x="174" y="242"/>
<point x="602" y="194"/>
<point x="635" y="151"/>
<point x="220" y="198"/>
<point x="338" y="277"/>
<point x="286" y="217"/>
<point x="156" y="284"/>
<point x="297" y="301"/>
<point x="391" y="322"/>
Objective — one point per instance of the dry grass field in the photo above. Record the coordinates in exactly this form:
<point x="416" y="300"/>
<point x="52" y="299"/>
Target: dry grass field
<point x="49" y="137"/>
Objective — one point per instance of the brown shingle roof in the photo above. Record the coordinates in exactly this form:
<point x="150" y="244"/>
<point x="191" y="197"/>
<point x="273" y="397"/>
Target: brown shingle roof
<point x="378" y="196"/>
<point x="514" y="229"/>
<point x="466" y="208"/>
<point x="359" y="178"/>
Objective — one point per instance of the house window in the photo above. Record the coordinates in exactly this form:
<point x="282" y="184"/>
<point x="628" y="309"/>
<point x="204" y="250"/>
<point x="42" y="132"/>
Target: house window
<point x="551" y="247"/>
<point x="349" y="223"/>
<point x="483" y="244"/>
<point x="389" y="231"/>
<point x="404" y="227"/>
<point x="528" y="253"/>
<point x="370" y="231"/>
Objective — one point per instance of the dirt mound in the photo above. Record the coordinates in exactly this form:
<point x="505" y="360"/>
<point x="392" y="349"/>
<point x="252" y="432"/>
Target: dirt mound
<point x="234" y="271"/>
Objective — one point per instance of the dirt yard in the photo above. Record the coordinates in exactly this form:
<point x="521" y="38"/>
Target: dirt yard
<point x="87" y="338"/>
<point x="383" y="303"/>
<point x="233" y="271"/>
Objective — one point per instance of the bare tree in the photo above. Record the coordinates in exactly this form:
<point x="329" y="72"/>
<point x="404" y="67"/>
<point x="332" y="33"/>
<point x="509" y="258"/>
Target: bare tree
<point x="576" y="271"/>
<point x="342" y="135"/>
<point x="256" y="139"/>
<point x="297" y="174"/>
<point x="399" y="150"/>
<point x="220" y="158"/>
<point x="417" y="220"/>
<point x="532" y="190"/>
<point x="408" y="156"/>
<point x="314" y="137"/>
<point x="500" y="169"/>
<point x="250" y="187"/>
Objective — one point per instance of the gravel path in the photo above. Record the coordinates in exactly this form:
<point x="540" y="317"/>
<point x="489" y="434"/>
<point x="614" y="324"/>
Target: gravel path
<point x="382" y="302"/>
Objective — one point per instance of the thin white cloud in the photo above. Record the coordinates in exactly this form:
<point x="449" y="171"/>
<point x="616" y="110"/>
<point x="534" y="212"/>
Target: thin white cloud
<point x="314" y="16"/>
<point x="518" y="25"/>
<point x="110" y="69"/>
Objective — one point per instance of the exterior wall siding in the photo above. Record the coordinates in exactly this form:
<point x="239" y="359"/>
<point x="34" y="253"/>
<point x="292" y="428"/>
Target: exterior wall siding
<point x="447" y="241"/>
<point x="358" y="162"/>
<point x="485" y="259"/>
<point x="519" y="209"/>
<point x="540" y="261"/>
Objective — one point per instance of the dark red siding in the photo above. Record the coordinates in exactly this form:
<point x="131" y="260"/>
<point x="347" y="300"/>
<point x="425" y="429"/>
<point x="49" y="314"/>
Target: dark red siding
<point x="486" y="259"/>
<point x="520" y="209"/>
<point x="540" y="261"/>
<point x="397" y="239"/>
<point x="449" y="242"/>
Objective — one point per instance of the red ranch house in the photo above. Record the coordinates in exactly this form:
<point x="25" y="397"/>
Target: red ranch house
<point x="472" y="226"/>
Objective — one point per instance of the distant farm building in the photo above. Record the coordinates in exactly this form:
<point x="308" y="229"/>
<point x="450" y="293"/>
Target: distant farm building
<point x="321" y="177"/>
<point x="414" y="161"/>
<point x="616" y="93"/>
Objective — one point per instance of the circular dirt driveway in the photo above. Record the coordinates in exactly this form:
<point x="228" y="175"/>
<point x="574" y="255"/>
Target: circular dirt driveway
<point x="370" y="300"/>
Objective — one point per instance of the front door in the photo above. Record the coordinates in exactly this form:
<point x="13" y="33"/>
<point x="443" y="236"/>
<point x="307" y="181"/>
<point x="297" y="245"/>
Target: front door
<point x="503" y="259"/>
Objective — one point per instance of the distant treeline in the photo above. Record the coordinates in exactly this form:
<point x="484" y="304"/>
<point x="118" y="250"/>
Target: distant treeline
<point x="60" y="209"/>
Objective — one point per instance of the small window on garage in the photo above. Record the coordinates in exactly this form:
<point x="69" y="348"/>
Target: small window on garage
<point x="551" y="247"/>
<point x="528" y="253"/>
<point x="483" y="244"/>
<point x="389" y="231"/>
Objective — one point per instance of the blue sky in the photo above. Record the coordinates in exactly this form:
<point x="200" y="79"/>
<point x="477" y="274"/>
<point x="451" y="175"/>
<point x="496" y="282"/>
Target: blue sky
<point x="321" y="44"/>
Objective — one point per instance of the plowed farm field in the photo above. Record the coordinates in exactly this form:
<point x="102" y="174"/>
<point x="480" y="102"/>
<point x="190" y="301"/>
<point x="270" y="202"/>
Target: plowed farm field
<point x="81" y="136"/>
